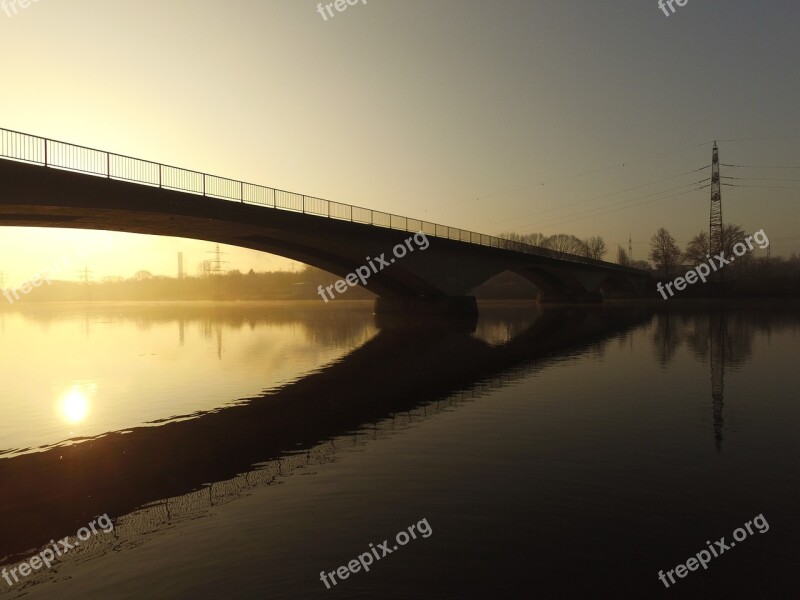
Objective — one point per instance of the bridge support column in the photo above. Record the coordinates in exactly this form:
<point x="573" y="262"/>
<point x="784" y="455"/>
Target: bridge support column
<point x="444" y="306"/>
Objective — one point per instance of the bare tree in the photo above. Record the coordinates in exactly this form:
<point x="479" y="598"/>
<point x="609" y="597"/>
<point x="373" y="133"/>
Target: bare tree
<point x="534" y="239"/>
<point x="697" y="249"/>
<point x="510" y="235"/>
<point x="564" y="242"/>
<point x="664" y="252"/>
<point x="596" y="247"/>
<point x="142" y="275"/>
<point x="731" y="235"/>
<point x="204" y="268"/>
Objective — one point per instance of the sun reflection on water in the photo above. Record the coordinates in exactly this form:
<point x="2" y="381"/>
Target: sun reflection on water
<point x="74" y="406"/>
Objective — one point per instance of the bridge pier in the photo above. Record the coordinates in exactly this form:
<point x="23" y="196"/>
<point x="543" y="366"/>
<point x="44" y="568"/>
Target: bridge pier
<point x="438" y="306"/>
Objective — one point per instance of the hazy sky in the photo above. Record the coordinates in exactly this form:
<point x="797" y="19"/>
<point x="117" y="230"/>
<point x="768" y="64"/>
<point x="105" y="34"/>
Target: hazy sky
<point x="488" y="115"/>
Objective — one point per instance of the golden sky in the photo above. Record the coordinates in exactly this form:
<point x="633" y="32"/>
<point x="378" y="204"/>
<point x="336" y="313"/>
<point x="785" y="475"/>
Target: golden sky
<point x="490" y="116"/>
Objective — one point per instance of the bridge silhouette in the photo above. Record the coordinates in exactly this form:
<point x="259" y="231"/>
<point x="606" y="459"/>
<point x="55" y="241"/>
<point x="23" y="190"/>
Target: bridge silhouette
<point x="48" y="183"/>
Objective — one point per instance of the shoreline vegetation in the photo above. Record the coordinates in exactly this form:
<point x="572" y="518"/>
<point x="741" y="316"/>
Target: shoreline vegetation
<point x="759" y="278"/>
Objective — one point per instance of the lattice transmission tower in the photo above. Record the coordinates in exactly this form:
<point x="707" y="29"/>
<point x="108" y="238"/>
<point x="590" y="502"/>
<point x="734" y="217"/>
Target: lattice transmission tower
<point x="217" y="271"/>
<point x="715" y="241"/>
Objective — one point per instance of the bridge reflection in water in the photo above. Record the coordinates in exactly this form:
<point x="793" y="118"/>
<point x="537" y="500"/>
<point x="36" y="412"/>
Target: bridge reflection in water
<point x="152" y="477"/>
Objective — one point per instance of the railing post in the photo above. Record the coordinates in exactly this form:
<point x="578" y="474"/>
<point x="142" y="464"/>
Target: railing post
<point x="160" y="166"/>
<point x="241" y="191"/>
<point x="304" y="204"/>
<point x="108" y="165"/>
<point x="45" y="153"/>
<point x="204" y="184"/>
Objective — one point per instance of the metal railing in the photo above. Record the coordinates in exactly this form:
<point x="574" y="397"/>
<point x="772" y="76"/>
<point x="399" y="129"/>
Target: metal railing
<point x="60" y="155"/>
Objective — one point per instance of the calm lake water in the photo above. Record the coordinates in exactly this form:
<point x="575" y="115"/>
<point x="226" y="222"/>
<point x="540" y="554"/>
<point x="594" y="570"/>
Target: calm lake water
<point x="240" y="450"/>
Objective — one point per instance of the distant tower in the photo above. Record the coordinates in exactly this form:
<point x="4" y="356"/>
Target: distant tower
<point x="216" y="264"/>
<point x="715" y="241"/>
<point x="85" y="276"/>
<point x="180" y="265"/>
<point x="217" y="271"/>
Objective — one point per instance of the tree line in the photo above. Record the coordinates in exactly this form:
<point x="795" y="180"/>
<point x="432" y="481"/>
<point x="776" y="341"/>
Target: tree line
<point x="593" y="247"/>
<point x="749" y="274"/>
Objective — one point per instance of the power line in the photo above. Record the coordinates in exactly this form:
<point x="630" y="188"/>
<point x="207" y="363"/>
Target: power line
<point x="756" y="167"/>
<point x="761" y="187"/>
<point x="759" y="178"/>
<point x="577" y="175"/>
<point x="627" y="162"/>
<point x="764" y="139"/>
<point x="632" y="206"/>
<point x="556" y="220"/>
<point x="598" y="197"/>
<point x="619" y="165"/>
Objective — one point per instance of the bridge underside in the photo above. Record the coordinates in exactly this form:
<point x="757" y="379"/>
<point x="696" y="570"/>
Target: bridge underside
<point x="438" y="278"/>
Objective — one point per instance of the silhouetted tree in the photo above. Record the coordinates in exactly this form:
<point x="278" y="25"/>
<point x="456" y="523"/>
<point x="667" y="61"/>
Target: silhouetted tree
<point x="204" y="268"/>
<point x="622" y="256"/>
<point x="664" y="252"/>
<point x="596" y="247"/>
<point x="564" y="242"/>
<point x="142" y="275"/>
<point x="731" y="235"/>
<point x="534" y="239"/>
<point x="697" y="249"/>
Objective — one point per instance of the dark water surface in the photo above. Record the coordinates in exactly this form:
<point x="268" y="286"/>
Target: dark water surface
<point x="240" y="450"/>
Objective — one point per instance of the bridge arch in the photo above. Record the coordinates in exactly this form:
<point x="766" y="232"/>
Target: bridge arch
<point x="129" y="195"/>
